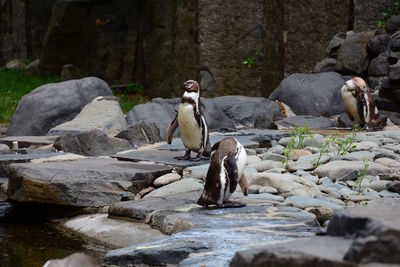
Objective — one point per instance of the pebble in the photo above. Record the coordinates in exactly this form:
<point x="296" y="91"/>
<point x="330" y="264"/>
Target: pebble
<point x="295" y="154"/>
<point x="166" y="179"/>
<point x="273" y="156"/>
<point x="267" y="189"/>
<point x="253" y="159"/>
<point x="388" y="194"/>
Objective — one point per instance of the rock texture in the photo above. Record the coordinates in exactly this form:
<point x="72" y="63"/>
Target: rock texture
<point x="312" y="94"/>
<point x="103" y="115"/>
<point x="52" y="104"/>
<point x="82" y="183"/>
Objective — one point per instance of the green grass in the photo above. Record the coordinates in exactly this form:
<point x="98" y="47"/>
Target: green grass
<point x="14" y="85"/>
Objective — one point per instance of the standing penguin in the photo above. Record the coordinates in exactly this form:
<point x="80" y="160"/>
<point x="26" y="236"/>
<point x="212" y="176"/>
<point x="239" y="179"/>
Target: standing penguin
<point x="228" y="160"/>
<point x="360" y="105"/>
<point x="191" y="121"/>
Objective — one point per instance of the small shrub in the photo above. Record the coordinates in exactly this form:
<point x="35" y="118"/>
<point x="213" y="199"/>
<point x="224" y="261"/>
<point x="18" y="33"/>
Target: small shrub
<point x="361" y="176"/>
<point x="297" y="138"/>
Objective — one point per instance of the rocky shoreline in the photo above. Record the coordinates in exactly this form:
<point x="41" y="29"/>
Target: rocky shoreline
<point x="145" y="204"/>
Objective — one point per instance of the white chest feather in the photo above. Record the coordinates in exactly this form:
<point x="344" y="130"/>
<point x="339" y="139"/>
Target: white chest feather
<point x="191" y="132"/>
<point x="350" y="102"/>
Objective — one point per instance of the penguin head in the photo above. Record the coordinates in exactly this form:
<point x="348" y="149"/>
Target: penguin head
<point x="355" y="85"/>
<point x="191" y="86"/>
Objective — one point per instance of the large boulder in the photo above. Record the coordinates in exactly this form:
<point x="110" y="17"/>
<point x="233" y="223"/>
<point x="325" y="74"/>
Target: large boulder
<point x="52" y="104"/>
<point x="102" y="114"/>
<point x="353" y="55"/>
<point x="312" y="94"/>
<point x="141" y="133"/>
<point x="244" y="110"/>
<point x="311" y="122"/>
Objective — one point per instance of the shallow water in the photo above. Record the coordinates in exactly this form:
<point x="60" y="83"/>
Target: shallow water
<point x="32" y="244"/>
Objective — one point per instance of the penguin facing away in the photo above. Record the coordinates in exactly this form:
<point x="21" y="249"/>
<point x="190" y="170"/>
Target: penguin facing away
<point x="192" y="123"/>
<point x="360" y="105"/>
<point x="227" y="163"/>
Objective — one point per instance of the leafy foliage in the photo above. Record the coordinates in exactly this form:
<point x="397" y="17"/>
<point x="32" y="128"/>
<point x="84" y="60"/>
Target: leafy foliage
<point x="15" y="84"/>
<point x="297" y="139"/>
<point x="395" y="9"/>
<point x="361" y="176"/>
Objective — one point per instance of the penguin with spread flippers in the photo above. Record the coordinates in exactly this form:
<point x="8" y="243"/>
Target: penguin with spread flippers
<point x="360" y="105"/>
<point x="192" y="123"/>
<point x="227" y="163"/>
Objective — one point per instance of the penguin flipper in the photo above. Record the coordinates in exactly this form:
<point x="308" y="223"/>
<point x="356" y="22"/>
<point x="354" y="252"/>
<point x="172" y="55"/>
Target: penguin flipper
<point x="171" y="129"/>
<point x="231" y="167"/>
<point x="244" y="185"/>
<point x="349" y="115"/>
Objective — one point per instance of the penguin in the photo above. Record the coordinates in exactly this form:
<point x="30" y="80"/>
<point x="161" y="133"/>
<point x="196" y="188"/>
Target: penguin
<point x="360" y="105"/>
<point x="192" y="123"/>
<point x="227" y="162"/>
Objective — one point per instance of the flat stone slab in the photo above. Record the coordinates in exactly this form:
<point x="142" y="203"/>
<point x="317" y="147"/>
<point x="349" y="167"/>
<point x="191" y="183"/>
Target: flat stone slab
<point x="210" y="235"/>
<point x="7" y="159"/>
<point x="82" y="183"/>
<point x="307" y="252"/>
<point x="112" y="232"/>
<point x="363" y="220"/>
<point x="27" y="141"/>
<point x="247" y="140"/>
<point x="159" y="156"/>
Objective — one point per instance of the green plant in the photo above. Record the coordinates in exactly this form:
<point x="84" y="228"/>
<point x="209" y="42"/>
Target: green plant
<point x="344" y="145"/>
<point x="251" y="60"/>
<point x="395" y="9"/>
<point x="297" y="138"/>
<point x="361" y="176"/>
<point x="13" y="85"/>
<point x="323" y="150"/>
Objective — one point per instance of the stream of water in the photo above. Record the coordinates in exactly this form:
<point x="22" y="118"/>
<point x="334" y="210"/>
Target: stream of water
<point x="32" y="244"/>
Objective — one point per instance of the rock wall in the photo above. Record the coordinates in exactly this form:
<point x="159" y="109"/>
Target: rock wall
<point x="162" y="43"/>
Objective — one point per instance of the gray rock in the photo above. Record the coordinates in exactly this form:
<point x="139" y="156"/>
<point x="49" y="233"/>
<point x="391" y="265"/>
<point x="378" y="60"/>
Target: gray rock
<point x="93" y="143"/>
<point x="338" y="168"/>
<point x="375" y="185"/>
<point x="82" y="183"/>
<point x="207" y="82"/>
<point x="244" y="110"/>
<point x="157" y="255"/>
<point x="285" y="183"/>
<point x="166" y="179"/>
<point x="365" y="145"/>
<point x="278" y="149"/>
<point x="15" y="64"/>
<point x="159" y="111"/>
<point x="33" y="67"/>
<point x="389" y="194"/>
<point x="7" y="210"/>
<point x="391" y="163"/>
<point x="373" y="219"/>
<point x="305" y="202"/>
<point x="378" y="44"/>
<point x="311" y="122"/>
<point x="307" y="175"/>
<point x="353" y="55"/>
<point x="176" y="188"/>
<point x="267" y="189"/>
<point x="393" y="24"/>
<point x="394" y="186"/>
<point x="69" y="72"/>
<point x="379" y="66"/>
<point x="325" y="65"/>
<point x="250" y="152"/>
<point x="253" y="159"/>
<point x="394" y="72"/>
<point x="50" y="105"/>
<point x="322" y="214"/>
<point x="307" y="252"/>
<point x="312" y="94"/>
<point x="334" y="44"/>
<point x="197" y="172"/>
<point x="371" y="193"/>
<point x="273" y="156"/>
<point x="141" y="133"/>
<point x="265" y="165"/>
<point x="378" y="220"/>
<point x="4" y="149"/>
<point x="358" y="156"/>
<point x="111" y="231"/>
<point x="76" y="259"/>
<point x="103" y="115"/>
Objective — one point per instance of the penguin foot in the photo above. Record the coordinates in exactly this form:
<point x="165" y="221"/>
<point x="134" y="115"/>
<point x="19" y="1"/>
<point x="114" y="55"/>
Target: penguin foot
<point x="185" y="157"/>
<point x="182" y="158"/>
<point x="232" y="204"/>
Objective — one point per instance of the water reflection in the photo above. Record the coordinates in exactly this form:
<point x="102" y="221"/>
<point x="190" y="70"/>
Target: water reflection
<point x="32" y="244"/>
